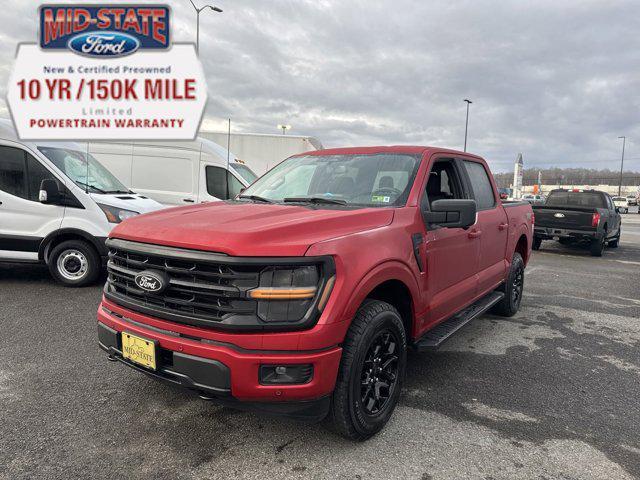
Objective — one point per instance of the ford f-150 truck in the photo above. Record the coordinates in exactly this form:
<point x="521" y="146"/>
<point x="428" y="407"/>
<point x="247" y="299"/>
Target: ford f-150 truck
<point x="302" y="295"/>
<point x="578" y="216"/>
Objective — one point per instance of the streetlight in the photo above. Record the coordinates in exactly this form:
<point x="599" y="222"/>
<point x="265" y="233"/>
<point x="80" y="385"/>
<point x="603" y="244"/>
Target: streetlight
<point x="624" y="141"/>
<point x="466" y="125"/>
<point x="198" y="10"/>
<point x="284" y="128"/>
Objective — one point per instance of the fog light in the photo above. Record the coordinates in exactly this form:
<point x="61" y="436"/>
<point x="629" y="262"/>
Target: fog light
<point x="285" y="374"/>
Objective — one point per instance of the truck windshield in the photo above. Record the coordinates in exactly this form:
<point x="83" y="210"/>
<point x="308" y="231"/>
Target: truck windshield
<point x="74" y="165"/>
<point x="245" y="172"/>
<point x="377" y="180"/>
<point x="576" y="199"/>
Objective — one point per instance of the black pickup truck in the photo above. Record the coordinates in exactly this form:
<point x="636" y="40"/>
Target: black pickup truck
<point x="578" y="216"/>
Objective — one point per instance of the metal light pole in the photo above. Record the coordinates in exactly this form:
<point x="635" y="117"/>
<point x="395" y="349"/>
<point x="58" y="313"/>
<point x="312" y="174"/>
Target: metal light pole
<point x="284" y="128"/>
<point x="198" y="10"/>
<point x="624" y="141"/>
<point x="466" y="125"/>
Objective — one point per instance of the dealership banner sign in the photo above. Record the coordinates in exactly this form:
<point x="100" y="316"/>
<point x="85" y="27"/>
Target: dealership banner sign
<point x="106" y="72"/>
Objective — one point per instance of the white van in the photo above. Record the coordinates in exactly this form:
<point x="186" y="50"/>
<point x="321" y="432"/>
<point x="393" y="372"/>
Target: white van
<point x="58" y="205"/>
<point x="175" y="173"/>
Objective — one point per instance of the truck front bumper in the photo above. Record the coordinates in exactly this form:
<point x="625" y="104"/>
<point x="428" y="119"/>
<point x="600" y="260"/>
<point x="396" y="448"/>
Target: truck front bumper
<point x="550" y="233"/>
<point x="225" y="373"/>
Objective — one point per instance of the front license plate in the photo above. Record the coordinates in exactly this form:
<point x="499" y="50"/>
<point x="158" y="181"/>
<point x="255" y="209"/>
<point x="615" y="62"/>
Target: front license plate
<point x="139" y="350"/>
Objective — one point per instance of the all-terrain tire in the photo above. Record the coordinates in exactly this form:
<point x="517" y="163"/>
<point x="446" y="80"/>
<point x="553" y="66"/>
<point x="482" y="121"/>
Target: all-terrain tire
<point x="513" y="289"/>
<point x="360" y="377"/>
<point x="597" y="246"/>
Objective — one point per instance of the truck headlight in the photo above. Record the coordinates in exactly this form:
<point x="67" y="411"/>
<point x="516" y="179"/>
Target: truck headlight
<point x="286" y="294"/>
<point x="115" y="214"/>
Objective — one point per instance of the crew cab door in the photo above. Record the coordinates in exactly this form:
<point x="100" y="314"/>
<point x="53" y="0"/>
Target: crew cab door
<point x="24" y="221"/>
<point x="451" y="253"/>
<point x="492" y="226"/>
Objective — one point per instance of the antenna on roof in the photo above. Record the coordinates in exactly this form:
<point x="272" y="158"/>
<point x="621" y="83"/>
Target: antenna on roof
<point x="86" y="183"/>
<point x="228" y="142"/>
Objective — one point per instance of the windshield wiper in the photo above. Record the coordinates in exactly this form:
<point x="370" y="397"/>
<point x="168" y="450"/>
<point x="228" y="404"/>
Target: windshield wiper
<point x="86" y="185"/>
<point x="256" y="198"/>
<point x="118" y="191"/>
<point x="328" y="201"/>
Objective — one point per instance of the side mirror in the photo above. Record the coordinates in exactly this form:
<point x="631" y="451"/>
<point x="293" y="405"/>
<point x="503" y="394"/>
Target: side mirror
<point x="49" y="192"/>
<point x="617" y="209"/>
<point x="451" y="213"/>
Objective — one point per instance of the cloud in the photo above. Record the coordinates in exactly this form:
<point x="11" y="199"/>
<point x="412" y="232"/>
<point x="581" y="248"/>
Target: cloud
<point x="557" y="81"/>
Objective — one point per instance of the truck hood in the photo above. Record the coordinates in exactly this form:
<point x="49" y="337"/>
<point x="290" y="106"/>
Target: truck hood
<point x="249" y="229"/>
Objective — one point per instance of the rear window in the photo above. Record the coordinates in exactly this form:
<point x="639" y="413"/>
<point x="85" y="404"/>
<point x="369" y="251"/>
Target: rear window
<point x="576" y="199"/>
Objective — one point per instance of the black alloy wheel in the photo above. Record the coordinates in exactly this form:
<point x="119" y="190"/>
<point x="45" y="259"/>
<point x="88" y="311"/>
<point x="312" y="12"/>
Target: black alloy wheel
<point x="379" y="377"/>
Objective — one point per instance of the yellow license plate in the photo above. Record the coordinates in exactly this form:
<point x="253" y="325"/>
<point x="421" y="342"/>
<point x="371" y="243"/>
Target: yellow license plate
<point x="139" y="350"/>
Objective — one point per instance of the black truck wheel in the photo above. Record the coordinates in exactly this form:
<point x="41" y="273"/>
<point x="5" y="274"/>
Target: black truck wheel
<point x="537" y="241"/>
<point x="374" y="355"/>
<point x="614" y="242"/>
<point x="597" y="246"/>
<point x="513" y="289"/>
<point x="74" y="263"/>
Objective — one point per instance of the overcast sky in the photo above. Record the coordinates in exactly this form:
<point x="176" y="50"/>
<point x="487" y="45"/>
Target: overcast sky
<point x="558" y="81"/>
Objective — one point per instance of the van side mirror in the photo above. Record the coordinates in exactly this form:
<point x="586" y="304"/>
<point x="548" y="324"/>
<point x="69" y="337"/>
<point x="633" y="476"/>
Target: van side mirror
<point x="50" y="192"/>
<point x="451" y="213"/>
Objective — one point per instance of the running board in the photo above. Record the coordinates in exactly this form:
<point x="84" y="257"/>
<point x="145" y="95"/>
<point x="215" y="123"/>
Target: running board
<point x="435" y="337"/>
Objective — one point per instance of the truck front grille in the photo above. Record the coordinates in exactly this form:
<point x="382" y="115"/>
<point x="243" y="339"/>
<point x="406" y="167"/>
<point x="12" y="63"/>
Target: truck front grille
<point x="203" y="289"/>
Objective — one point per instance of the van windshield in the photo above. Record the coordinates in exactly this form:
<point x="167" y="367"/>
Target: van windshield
<point x="376" y="180"/>
<point x="92" y="176"/>
<point x="245" y="172"/>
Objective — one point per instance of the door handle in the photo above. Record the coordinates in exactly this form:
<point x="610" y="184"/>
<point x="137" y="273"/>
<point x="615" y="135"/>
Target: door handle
<point x="475" y="234"/>
<point x="503" y="226"/>
<point x="188" y="200"/>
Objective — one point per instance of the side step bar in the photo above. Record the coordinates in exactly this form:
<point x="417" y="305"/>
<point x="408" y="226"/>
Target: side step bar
<point x="435" y="337"/>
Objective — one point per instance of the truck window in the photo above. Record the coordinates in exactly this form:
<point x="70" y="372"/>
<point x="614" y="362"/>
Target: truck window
<point x="443" y="183"/>
<point x="576" y="199"/>
<point x="481" y="185"/>
<point x="13" y="172"/>
<point x="221" y="183"/>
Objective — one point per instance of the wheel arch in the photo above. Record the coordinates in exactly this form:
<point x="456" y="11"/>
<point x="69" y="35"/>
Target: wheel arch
<point x="64" y="234"/>
<point x="391" y="282"/>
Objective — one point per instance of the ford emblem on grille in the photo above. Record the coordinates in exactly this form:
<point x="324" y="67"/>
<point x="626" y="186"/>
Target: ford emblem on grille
<point x="151" y="281"/>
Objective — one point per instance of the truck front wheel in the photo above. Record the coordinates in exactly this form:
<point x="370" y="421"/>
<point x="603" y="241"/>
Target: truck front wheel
<point x="374" y="356"/>
<point x="513" y="289"/>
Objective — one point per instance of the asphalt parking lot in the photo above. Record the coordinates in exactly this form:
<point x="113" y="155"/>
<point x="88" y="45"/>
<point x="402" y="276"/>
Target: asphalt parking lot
<point x="551" y="393"/>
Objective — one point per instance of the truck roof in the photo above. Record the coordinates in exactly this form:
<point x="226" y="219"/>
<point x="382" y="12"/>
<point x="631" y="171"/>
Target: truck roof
<point x="407" y="149"/>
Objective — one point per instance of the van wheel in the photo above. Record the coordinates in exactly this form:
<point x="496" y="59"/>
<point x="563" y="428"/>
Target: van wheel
<point x="513" y="289"/>
<point x="537" y="241"/>
<point x="371" y="372"/>
<point x="74" y="263"/>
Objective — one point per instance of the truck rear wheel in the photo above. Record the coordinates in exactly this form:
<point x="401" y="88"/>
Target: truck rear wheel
<point x="597" y="246"/>
<point x="74" y="263"/>
<point x="513" y="289"/>
<point x="537" y="241"/>
<point x="371" y="372"/>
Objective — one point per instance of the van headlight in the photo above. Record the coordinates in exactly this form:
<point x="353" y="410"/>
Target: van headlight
<point x="287" y="294"/>
<point x="115" y="214"/>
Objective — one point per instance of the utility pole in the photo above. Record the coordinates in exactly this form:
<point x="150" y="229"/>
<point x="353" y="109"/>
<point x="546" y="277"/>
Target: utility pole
<point x="466" y="125"/>
<point x="624" y="141"/>
<point x="284" y="128"/>
<point x="198" y="10"/>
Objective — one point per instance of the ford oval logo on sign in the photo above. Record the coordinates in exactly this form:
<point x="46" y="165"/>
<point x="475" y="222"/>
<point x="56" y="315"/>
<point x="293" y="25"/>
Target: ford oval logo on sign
<point x="150" y="281"/>
<point x="104" y="44"/>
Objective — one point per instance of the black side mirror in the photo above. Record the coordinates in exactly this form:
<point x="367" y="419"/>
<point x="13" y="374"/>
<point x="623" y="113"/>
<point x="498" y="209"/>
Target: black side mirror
<point x="50" y="192"/>
<point x="451" y="213"/>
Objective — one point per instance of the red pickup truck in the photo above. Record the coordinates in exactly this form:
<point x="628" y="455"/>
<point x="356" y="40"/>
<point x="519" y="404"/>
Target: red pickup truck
<point x="302" y="295"/>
